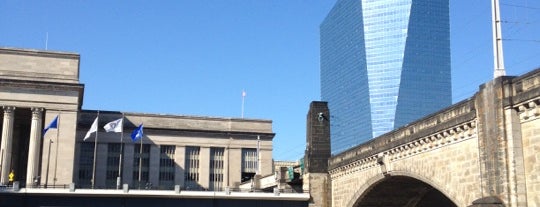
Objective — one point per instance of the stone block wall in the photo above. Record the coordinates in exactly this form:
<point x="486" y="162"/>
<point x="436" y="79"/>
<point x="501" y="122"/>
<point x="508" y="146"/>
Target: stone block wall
<point x="529" y="118"/>
<point x="34" y="65"/>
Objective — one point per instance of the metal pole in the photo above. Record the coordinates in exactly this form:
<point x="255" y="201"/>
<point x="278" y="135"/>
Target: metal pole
<point x="119" y="178"/>
<point x="258" y="155"/>
<point x="48" y="162"/>
<point x="56" y="152"/>
<point x="95" y="155"/>
<point x="497" y="40"/>
<point x="228" y="162"/>
<point x="243" y="97"/>
<point x="46" y="40"/>
<point x="140" y="163"/>
<point x="1" y="160"/>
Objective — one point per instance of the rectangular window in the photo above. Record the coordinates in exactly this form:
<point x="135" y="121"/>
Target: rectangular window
<point x="216" y="168"/>
<point x="86" y="164"/>
<point x="113" y="160"/>
<point x="166" y="167"/>
<point x="191" y="177"/>
<point x="141" y="161"/>
<point x="249" y="163"/>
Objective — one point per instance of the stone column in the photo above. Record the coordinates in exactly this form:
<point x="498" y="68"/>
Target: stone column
<point x="492" y="141"/>
<point x="33" y="150"/>
<point x="204" y="167"/>
<point x="180" y="160"/>
<point x="6" y="146"/>
<point x="235" y="166"/>
<point x="316" y="178"/>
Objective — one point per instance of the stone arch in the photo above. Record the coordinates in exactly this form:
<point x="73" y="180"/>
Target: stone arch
<point x="374" y="182"/>
<point x="370" y="183"/>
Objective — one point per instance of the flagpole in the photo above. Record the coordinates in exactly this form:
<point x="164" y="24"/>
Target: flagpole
<point x="243" y="97"/>
<point x="56" y="153"/>
<point x="140" y="163"/>
<point x="1" y="159"/>
<point x="53" y="125"/>
<point x="95" y="154"/>
<point x="258" y="154"/>
<point x="46" y="40"/>
<point x="119" y="178"/>
<point x="48" y="163"/>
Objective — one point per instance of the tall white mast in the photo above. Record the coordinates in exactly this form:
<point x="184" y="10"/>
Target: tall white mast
<point x="497" y="40"/>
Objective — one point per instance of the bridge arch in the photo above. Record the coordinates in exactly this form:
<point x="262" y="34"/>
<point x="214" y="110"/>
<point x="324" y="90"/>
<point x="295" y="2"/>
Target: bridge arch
<point x="400" y="189"/>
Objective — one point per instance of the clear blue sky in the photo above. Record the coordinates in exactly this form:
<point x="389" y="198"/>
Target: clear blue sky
<point x="194" y="57"/>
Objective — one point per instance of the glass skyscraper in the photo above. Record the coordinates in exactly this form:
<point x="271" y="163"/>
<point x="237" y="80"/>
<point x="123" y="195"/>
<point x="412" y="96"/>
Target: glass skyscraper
<point x="384" y="63"/>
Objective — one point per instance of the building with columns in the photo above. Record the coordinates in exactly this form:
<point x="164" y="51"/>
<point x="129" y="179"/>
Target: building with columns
<point x="195" y="152"/>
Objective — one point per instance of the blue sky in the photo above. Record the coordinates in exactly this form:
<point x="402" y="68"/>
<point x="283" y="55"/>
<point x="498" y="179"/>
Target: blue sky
<point x="194" y="57"/>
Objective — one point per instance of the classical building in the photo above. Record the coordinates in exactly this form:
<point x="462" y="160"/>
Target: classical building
<point x="194" y="152"/>
<point x="384" y="64"/>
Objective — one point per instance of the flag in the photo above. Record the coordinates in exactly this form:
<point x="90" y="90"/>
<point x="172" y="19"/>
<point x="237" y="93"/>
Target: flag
<point x="92" y="129"/>
<point x="137" y="133"/>
<point x="114" y="126"/>
<point x="52" y="125"/>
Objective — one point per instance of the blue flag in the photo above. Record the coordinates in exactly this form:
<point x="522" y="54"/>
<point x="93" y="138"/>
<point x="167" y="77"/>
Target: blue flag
<point x="137" y="133"/>
<point x="52" y="125"/>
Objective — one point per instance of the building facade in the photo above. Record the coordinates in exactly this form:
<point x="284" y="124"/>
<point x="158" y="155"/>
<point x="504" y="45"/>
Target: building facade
<point x="198" y="153"/>
<point x="383" y="65"/>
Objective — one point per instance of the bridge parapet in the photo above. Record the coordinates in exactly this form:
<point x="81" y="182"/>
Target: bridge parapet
<point x="525" y="95"/>
<point x="429" y="132"/>
<point x="381" y="158"/>
<point x="523" y="88"/>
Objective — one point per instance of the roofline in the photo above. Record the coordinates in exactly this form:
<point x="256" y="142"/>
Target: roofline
<point x="177" y="116"/>
<point x="40" y="53"/>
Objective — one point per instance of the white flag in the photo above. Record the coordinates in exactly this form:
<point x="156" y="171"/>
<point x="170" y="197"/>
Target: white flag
<point x="93" y="129"/>
<point x="114" y="126"/>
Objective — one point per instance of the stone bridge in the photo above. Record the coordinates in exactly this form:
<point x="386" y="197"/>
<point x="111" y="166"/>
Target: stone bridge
<point x="483" y="151"/>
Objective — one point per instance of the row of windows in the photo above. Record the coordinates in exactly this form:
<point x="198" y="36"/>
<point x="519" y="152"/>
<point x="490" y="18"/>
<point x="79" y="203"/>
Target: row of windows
<point x="167" y="166"/>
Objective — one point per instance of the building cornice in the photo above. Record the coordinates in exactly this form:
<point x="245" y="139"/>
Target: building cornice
<point x="39" y="53"/>
<point x="528" y="110"/>
<point x="182" y="125"/>
<point x="41" y="84"/>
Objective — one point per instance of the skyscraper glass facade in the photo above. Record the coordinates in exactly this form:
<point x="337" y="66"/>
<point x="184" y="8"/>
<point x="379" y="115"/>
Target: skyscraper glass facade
<point x="384" y="63"/>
